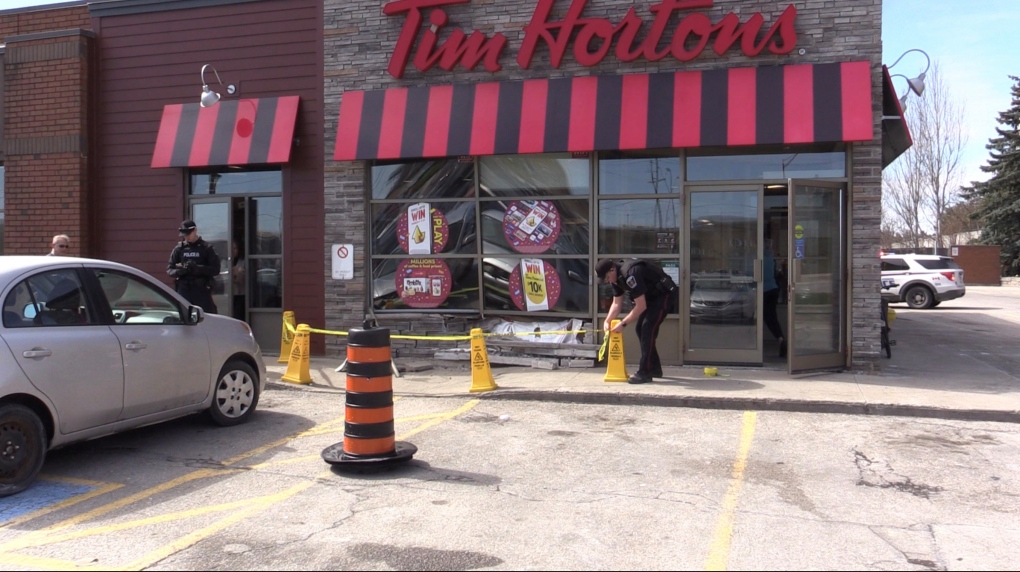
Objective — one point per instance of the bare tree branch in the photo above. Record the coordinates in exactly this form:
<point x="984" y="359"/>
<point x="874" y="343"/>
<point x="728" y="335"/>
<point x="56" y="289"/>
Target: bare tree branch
<point x="925" y="181"/>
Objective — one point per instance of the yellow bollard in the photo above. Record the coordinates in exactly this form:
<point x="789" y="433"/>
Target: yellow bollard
<point x="481" y="374"/>
<point x="298" y="366"/>
<point x="616" y="368"/>
<point x="286" y="337"/>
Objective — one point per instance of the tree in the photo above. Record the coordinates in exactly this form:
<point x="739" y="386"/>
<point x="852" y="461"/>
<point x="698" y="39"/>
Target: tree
<point x="925" y="181"/>
<point x="959" y="219"/>
<point x="1000" y="195"/>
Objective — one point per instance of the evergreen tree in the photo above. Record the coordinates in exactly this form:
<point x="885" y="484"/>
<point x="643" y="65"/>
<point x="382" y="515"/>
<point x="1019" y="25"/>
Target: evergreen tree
<point x="1000" y="195"/>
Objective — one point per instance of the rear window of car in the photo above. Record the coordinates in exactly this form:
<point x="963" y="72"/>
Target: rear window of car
<point x="894" y="265"/>
<point x="939" y="264"/>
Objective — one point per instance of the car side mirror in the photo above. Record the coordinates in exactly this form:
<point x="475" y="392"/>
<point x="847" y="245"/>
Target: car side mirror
<point x="30" y="311"/>
<point x="195" y="315"/>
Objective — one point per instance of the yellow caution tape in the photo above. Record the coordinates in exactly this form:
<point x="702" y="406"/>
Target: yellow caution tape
<point x="460" y="338"/>
<point x="602" y="350"/>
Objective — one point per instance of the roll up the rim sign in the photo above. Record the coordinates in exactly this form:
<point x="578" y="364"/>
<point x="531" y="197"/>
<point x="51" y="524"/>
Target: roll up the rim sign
<point x="591" y="39"/>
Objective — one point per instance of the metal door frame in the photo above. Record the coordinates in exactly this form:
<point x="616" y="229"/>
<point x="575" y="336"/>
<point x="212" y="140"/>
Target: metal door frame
<point x="720" y="356"/>
<point x="228" y="289"/>
<point x="822" y="361"/>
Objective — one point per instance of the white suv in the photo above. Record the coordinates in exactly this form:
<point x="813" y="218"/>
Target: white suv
<point x="921" y="280"/>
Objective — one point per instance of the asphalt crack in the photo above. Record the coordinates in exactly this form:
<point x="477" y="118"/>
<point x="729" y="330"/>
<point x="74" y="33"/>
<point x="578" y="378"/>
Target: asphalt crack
<point x="873" y="473"/>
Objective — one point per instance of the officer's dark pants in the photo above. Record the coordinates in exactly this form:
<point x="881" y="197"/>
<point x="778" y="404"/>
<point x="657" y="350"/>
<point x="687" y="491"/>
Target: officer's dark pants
<point x="198" y="294"/>
<point x="648" y="329"/>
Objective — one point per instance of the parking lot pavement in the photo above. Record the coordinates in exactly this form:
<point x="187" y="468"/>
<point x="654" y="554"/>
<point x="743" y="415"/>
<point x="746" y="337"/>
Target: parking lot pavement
<point x="515" y="485"/>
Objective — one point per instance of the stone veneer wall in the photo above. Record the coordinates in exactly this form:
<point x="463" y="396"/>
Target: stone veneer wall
<point x="359" y="40"/>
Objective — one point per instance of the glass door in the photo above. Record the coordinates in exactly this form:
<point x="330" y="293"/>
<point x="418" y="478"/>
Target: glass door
<point x="214" y="225"/>
<point x="722" y="282"/>
<point x="817" y="283"/>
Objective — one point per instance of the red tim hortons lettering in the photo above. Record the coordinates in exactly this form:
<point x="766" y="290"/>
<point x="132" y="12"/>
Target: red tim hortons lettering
<point x="594" y="36"/>
<point x="469" y="51"/>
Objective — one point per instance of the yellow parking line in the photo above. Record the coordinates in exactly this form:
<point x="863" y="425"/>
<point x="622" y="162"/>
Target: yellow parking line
<point x="46" y="536"/>
<point x="37" y="563"/>
<point x="102" y="489"/>
<point x="719" y="553"/>
<point x="160" y="519"/>
<point x="199" y="535"/>
<point x="443" y="417"/>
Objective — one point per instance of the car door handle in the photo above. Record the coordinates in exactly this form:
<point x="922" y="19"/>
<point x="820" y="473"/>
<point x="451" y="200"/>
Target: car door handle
<point x="135" y="346"/>
<point x="37" y="353"/>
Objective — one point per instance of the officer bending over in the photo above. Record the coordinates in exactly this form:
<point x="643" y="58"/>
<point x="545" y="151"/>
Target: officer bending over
<point x="194" y="265"/>
<point x="652" y="291"/>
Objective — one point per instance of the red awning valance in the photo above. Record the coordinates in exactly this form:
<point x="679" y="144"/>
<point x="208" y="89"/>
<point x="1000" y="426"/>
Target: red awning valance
<point x="232" y="132"/>
<point x="741" y="106"/>
<point x="896" y="137"/>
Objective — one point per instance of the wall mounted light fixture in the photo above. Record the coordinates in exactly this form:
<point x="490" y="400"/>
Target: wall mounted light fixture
<point x="915" y="84"/>
<point x="210" y="97"/>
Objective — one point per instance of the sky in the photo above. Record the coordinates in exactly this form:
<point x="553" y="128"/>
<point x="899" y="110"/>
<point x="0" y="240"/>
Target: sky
<point x="974" y="42"/>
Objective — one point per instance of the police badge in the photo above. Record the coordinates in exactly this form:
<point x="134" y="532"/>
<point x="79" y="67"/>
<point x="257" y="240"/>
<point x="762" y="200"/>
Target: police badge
<point x="631" y="282"/>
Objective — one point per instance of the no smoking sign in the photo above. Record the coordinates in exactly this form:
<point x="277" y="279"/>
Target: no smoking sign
<point x="343" y="261"/>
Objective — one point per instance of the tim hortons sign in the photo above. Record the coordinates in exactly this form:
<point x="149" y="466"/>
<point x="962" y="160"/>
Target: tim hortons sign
<point x="592" y="39"/>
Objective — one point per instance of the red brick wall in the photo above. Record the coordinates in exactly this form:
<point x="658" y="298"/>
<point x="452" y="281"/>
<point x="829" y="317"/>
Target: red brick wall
<point x="47" y="69"/>
<point x="981" y="264"/>
<point x="41" y="19"/>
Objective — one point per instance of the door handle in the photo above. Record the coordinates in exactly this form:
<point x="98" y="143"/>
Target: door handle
<point x="34" y="353"/>
<point x="135" y="346"/>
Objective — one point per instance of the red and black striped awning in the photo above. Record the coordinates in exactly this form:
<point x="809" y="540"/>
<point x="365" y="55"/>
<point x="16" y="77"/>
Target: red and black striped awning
<point x="232" y="132"/>
<point x="741" y="106"/>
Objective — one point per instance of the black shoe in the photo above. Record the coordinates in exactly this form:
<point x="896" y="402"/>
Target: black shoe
<point x="782" y="348"/>
<point x="640" y="377"/>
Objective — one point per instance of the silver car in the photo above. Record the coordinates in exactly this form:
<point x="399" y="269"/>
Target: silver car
<point x="89" y="348"/>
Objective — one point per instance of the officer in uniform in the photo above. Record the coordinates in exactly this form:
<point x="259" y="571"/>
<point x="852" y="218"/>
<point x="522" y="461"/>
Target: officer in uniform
<point x="194" y="265"/>
<point x="652" y="292"/>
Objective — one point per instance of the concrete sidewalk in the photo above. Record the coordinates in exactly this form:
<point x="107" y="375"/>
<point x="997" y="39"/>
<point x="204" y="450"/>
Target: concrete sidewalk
<point x="965" y="395"/>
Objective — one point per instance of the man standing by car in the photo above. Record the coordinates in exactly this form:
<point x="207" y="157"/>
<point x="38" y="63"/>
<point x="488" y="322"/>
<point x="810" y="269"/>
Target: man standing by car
<point x="652" y="292"/>
<point x="60" y="245"/>
<point x="194" y="265"/>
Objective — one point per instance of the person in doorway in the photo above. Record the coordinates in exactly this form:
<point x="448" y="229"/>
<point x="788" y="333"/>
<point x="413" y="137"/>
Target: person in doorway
<point x="60" y="245"/>
<point x="237" y="274"/>
<point x="194" y="266"/>
<point x="652" y="292"/>
<point x="770" y="288"/>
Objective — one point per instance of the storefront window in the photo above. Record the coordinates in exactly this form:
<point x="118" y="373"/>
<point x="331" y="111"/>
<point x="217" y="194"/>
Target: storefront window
<point x="425" y="283"/>
<point x="236" y="182"/>
<point x="529" y="226"/>
<point x="826" y="165"/>
<point x="451" y="230"/>
<point x="639" y="210"/>
<point x="639" y="226"/>
<point x="266" y="226"/>
<point x="620" y="174"/>
<point x="535" y="234"/>
<point x="555" y="174"/>
<point x="420" y="180"/>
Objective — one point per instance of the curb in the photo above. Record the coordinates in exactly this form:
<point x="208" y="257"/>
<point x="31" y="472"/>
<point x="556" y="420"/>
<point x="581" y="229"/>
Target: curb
<point x="697" y="402"/>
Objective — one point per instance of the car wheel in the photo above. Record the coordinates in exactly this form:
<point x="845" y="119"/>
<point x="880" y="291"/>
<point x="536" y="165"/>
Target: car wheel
<point x="236" y="394"/>
<point x="935" y="303"/>
<point x="22" y="448"/>
<point x="920" y="298"/>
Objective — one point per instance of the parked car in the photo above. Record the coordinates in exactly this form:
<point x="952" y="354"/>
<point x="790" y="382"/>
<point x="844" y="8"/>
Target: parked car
<point x="921" y="280"/>
<point x="90" y="347"/>
<point x="722" y="297"/>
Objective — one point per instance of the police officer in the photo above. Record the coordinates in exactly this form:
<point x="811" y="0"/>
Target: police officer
<point x="194" y="265"/>
<point x="652" y="292"/>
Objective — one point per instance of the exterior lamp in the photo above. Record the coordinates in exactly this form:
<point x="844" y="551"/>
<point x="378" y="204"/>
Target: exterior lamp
<point x="209" y="97"/>
<point x="915" y="84"/>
